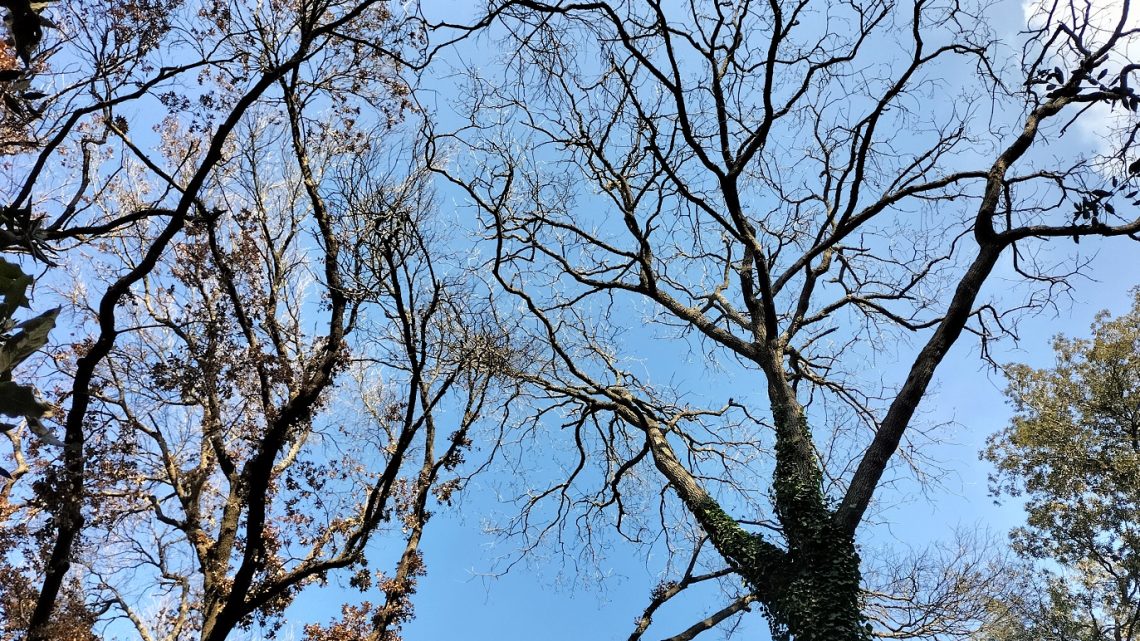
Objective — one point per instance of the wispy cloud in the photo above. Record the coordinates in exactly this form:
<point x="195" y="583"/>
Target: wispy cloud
<point x="1103" y="125"/>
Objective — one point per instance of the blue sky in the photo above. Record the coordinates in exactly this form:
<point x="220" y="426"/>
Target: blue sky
<point x="543" y="599"/>
<point x="544" y="596"/>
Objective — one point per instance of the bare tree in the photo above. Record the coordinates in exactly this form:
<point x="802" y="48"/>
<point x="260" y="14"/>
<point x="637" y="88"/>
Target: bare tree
<point x="945" y="591"/>
<point x="794" y="192"/>
<point x="198" y="388"/>
<point x="231" y="269"/>
<point x="209" y="501"/>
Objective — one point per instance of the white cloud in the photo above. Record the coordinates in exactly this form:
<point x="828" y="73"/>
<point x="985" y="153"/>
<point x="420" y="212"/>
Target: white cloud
<point x="1102" y="126"/>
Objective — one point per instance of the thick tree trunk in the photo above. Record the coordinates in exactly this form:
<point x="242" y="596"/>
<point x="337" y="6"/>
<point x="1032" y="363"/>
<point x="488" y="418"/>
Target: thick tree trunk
<point x="817" y="596"/>
<point x="810" y="591"/>
<point x="817" y="599"/>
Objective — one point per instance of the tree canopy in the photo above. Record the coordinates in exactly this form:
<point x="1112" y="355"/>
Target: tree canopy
<point x="748" y="194"/>
<point x="1072" y="453"/>
<point x="675" y="275"/>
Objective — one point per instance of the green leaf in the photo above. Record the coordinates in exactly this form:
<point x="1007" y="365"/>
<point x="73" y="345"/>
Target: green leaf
<point x="20" y="400"/>
<point x="33" y="335"/>
<point x="1070" y="455"/>
<point x="14" y="284"/>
